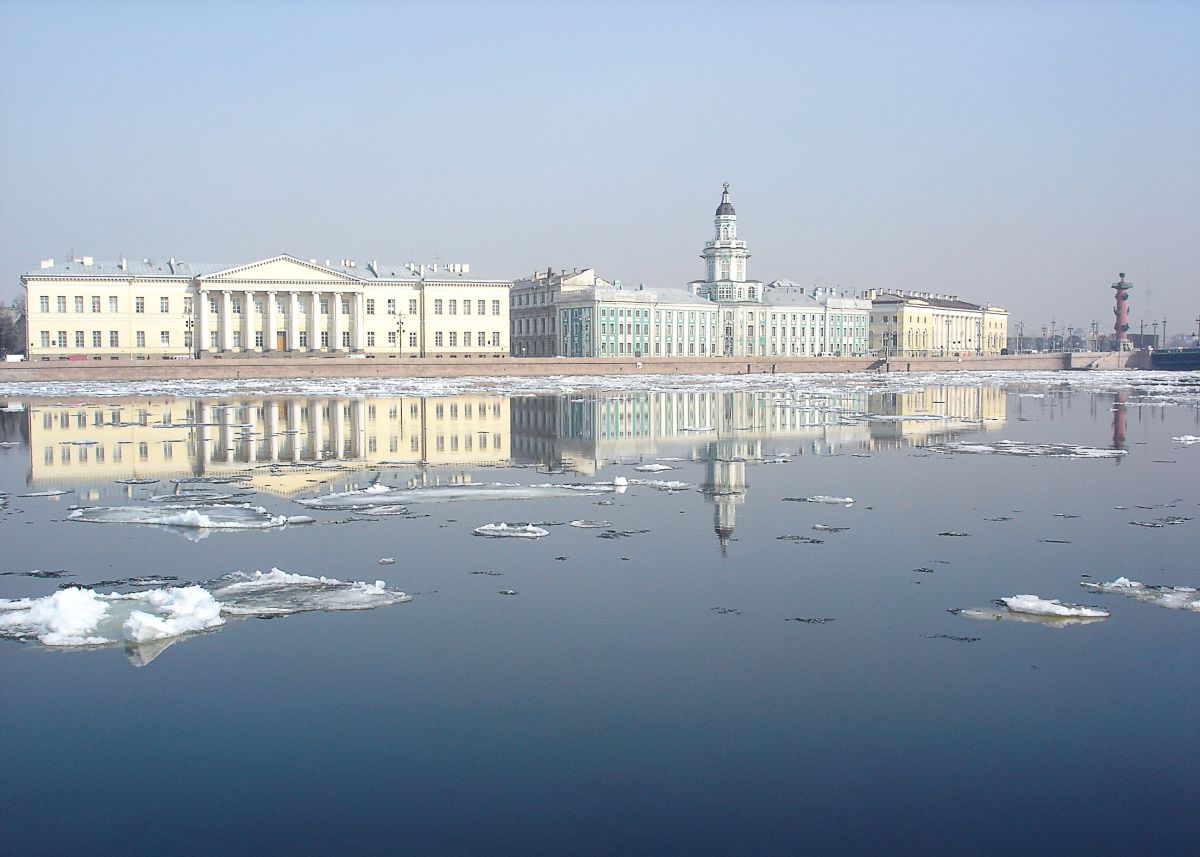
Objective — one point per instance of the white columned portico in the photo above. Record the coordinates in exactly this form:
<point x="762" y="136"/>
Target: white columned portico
<point x="335" y="322"/>
<point x="201" y="342"/>
<point x="359" y="336"/>
<point x="293" y="322"/>
<point x="270" y="324"/>
<point x="248" y="320"/>
<point x="226" y="320"/>
<point x="314" y="321"/>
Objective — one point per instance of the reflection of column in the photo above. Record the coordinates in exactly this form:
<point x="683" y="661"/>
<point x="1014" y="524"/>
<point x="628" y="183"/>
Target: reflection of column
<point x="293" y="322"/>
<point x="226" y="321"/>
<point x="225" y="435"/>
<point x="314" y="321"/>
<point x="359" y="334"/>
<point x="269" y="323"/>
<point x="316" y="438"/>
<point x="293" y="425"/>
<point x="335" y="322"/>
<point x="358" y="446"/>
<point x="204" y="418"/>
<point x="271" y="427"/>
<point x="1118" y="439"/>
<point x="201" y="322"/>
<point x="247" y="320"/>
<point x="337" y="410"/>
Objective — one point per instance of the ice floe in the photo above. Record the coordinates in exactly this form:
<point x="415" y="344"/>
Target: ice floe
<point x="52" y="493"/>
<point x="1025" y="448"/>
<point x="1187" y="439"/>
<point x="590" y="525"/>
<point x="1175" y="597"/>
<point x="822" y="498"/>
<point x="653" y="468"/>
<point x="240" y="516"/>
<point x="1034" y="605"/>
<point x="382" y="495"/>
<point x="510" y="531"/>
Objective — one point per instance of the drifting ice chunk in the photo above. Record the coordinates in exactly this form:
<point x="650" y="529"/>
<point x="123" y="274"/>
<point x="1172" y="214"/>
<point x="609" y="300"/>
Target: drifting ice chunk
<point x="1024" y="448"/>
<point x="1031" y="618"/>
<point x="1052" y="607"/>
<point x="591" y="525"/>
<point x="278" y="593"/>
<point x="241" y="516"/>
<point x="511" y="531"/>
<point x="55" y="493"/>
<point x="383" y="495"/>
<point x="1174" y="597"/>
<point x="1187" y="439"/>
<point x="831" y="501"/>
<point x="653" y="468"/>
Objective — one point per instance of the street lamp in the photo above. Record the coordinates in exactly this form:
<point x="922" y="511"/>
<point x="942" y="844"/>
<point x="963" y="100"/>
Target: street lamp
<point x="946" y="346"/>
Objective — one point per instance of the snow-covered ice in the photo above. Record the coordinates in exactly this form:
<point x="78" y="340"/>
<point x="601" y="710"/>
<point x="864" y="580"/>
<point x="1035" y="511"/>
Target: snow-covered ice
<point x="510" y="531"/>
<point x="1027" y="449"/>
<point x="1050" y="607"/>
<point x="383" y="495"/>
<point x="653" y="468"/>
<point x="1187" y="439"/>
<point x="241" y="516"/>
<point x="1175" y="597"/>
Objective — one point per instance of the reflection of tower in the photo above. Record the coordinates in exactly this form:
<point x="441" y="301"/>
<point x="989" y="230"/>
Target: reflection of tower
<point x="1118" y="438"/>
<point x="725" y="483"/>
<point x="1121" y="327"/>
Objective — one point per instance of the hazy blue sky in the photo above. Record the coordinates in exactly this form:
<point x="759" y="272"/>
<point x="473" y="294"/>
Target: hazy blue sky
<point x="1023" y="153"/>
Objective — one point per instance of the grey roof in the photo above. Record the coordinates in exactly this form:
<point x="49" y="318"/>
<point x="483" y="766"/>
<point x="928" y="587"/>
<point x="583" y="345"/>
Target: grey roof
<point x="174" y="268"/>
<point x="891" y="298"/>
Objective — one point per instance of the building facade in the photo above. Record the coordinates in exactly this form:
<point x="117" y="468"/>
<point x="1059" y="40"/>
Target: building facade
<point x="922" y="324"/>
<point x="84" y="309"/>
<point x="532" y="303"/>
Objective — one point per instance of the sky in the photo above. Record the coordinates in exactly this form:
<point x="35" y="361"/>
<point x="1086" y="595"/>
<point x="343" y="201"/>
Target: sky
<point x="1022" y="153"/>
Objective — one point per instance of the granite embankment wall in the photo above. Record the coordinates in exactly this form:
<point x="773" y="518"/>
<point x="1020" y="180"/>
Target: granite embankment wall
<point x="342" y="367"/>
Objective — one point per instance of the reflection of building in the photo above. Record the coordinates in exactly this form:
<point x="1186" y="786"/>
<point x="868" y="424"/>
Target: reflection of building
<point x="729" y="431"/>
<point x="84" y="308"/>
<point x="283" y="443"/>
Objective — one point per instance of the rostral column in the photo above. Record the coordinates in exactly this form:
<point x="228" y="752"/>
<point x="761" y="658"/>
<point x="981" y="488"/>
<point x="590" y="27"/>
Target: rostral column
<point x="1122" y="313"/>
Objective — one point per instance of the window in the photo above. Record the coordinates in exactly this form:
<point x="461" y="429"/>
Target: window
<point x="371" y="338"/>
<point x="324" y="338"/>
<point x="412" y="307"/>
<point x="391" y="306"/>
<point x="112" y="303"/>
<point x="482" y="307"/>
<point x="164" y="338"/>
<point x="453" y="339"/>
<point x="371" y="306"/>
<point x="96" y="304"/>
<point x="345" y="306"/>
<point x="141" y="339"/>
<point x="139" y="304"/>
<point x="164" y="304"/>
<point x="78" y="304"/>
<point x="495" y="337"/>
<point x="466" y="339"/>
<point x="45" y="339"/>
<point x="303" y="338"/>
<point x="324" y="306"/>
<point x="453" y="307"/>
<point x="213" y="341"/>
<point x="495" y="307"/>
<point x="437" y="307"/>
<point x="237" y="305"/>
<point x="212" y="305"/>
<point x="187" y="339"/>
<point x="237" y="339"/>
<point x="412" y="340"/>
<point x="187" y="306"/>
<point x="466" y="307"/>
<point x="391" y="337"/>
<point x="437" y="339"/>
<point x="258" y="339"/>
<point x="61" y="303"/>
<point x="97" y="339"/>
<point x="345" y="339"/>
<point x="114" y="339"/>
<point x="44" y="303"/>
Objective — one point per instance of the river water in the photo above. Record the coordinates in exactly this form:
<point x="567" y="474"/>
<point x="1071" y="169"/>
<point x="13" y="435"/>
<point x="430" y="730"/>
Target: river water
<point x="723" y="655"/>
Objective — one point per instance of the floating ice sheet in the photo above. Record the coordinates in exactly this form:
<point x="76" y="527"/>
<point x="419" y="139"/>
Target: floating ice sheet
<point x="510" y="531"/>
<point x="1174" y="597"/>
<point x="241" y="516"/>
<point x="653" y="468"/>
<point x="1031" y="618"/>
<point x="1034" y="605"/>
<point x="1027" y="449"/>
<point x="1187" y="439"/>
<point x="382" y="495"/>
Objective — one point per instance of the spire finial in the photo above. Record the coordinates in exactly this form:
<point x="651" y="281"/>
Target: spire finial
<point x="726" y="186"/>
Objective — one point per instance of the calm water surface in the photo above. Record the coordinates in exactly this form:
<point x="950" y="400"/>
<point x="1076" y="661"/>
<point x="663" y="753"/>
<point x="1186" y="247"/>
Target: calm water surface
<point x="644" y="694"/>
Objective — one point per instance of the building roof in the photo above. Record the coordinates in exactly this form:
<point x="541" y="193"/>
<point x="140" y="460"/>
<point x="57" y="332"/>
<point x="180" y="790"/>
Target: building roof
<point x="726" y="207"/>
<point x="940" y="303"/>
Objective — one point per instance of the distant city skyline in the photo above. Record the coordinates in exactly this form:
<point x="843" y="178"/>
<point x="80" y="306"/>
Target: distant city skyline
<point x="1017" y="153"/>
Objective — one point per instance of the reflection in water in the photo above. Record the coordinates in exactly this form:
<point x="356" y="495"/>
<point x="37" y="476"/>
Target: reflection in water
<point x="1119" y="406"/>
<point x="292" y="446"/>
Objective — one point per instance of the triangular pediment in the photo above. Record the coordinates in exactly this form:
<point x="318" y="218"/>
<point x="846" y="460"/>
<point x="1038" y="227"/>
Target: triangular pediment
<point x="280" y="269"/>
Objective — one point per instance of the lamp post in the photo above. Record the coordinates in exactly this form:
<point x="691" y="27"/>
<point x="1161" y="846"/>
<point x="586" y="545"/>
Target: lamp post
<point x="1020" y="333"/>
<point x="1164" y="329"/>
<point x="1154" y="330"/>
<point x="946" y="345"/>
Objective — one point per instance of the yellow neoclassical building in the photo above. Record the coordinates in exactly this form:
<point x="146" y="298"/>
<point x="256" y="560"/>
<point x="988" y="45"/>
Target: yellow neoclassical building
<point x="89" y="309"/>
<point x="929" y="325"/>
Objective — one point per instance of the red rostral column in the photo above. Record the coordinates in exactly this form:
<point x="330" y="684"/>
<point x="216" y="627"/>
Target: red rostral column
<point x="1122" y="312"/>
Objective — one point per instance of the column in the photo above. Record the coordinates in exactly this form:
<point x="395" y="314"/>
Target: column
<point x="337" y="415"/>
<point x="314" y="321"/>
<point x="270" y="324"/>
<point x="293" y="322"/>
<point x="248" y="320"/>
<point x="201" y="322"/>
<point x="226" y="321"/>
<point x="335" y="322"/>
<point x="358" y="337"/>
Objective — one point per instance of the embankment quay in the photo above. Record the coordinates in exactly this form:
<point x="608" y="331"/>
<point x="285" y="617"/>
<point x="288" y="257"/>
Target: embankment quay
<point x="224" y="368"/>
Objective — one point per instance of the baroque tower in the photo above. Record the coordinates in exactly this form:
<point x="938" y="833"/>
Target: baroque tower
<point x="725" y="260"/>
